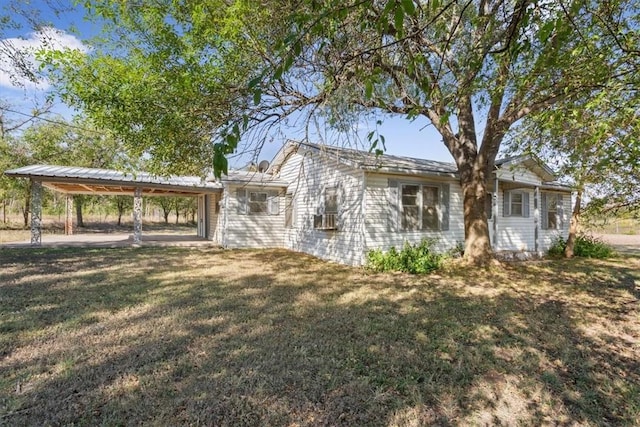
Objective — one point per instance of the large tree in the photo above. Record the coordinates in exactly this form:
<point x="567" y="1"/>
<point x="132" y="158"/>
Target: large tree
<point x="471" y="68"/>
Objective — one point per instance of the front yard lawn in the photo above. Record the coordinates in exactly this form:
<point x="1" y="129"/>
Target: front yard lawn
<point x="179" y="336"/>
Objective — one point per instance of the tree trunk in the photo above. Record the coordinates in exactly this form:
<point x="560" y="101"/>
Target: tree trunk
<point x="27" y="205"/>
<point x="475" y="166"/>
<point x="27" y="209"/>
<point x="573" y="226"/>
<point x="166" y="216"/>
<point x="79" y="220"/>
<point x="477" y="242"/>
<point x="4" y="211"/>
<point x="120" y="205"/>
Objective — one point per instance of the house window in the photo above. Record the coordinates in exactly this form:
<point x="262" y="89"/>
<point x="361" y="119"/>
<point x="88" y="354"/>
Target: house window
<point x="410" y="207"/>
<point x="551" y="211"/>
<point x="258" y="203"/>
<point x="331" y="201"/>
<point x="429" y="208"/>
<point x="419" y="207"/>
<point x="327" y="218"/>
<point x="516" y="203"/>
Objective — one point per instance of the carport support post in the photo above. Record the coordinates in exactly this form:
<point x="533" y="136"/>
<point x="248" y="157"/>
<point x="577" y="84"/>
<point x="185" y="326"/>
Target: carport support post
<point x="137" y="215"/>
<point x="68" y="222"/>
<point x="36" y="213"/>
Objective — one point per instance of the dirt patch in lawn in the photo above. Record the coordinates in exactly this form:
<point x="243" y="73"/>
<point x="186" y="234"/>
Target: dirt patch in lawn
<point x="175" y="336"/>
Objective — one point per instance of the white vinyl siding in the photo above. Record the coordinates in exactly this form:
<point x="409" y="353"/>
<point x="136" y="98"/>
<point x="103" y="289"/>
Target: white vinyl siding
<point x="515" y="232"/>
<point x="518" y="174"/>
<point x="257" y="229"/>
<point x="311" y="175"/>
<point x="214" y="211"/>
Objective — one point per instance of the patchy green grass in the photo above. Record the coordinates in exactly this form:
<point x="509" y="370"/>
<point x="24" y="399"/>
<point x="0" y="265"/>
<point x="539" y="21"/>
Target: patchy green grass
<point x="174" y="336"/>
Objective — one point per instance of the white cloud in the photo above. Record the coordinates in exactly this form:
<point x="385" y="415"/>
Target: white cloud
<point x="18" y="54"/>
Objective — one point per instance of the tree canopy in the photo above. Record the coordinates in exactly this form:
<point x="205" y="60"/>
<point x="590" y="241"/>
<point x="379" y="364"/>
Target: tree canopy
<point x="184" y="82"/>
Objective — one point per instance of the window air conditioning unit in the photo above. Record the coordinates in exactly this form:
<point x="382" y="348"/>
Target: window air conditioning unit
<point x="325" y="222"/>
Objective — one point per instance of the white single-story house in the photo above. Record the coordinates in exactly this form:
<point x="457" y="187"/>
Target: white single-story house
<point x="339" y="203"/>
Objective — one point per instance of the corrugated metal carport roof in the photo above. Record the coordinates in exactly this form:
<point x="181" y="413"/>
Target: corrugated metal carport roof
<point x="78" y="180"/>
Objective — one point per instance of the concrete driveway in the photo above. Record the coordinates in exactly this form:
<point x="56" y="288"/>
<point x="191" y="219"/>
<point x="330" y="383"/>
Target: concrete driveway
<point x="113" y="240"/>
<point x="625" y="243"/>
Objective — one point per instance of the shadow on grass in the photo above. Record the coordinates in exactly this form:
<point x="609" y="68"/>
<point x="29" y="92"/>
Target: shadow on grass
<point x="172" y="336"/>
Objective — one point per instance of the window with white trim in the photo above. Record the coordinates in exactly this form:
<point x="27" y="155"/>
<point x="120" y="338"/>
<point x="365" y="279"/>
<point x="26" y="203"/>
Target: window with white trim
<point x="331" y="200"/>
<point x="551" y="210"/>
<point x="258" y="203"/>
<point x="516" y="203"/>
<point x="327" y="217"/>
<point x="419" y="207"/>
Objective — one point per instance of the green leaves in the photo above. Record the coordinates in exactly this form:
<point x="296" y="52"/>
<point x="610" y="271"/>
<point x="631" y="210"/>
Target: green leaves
<point x="399" y="21"/>
<point x="257" y="95"/>
<point x="169" y="77"/>
<point x="368" y="89"/>
<point x="409" y="7"/>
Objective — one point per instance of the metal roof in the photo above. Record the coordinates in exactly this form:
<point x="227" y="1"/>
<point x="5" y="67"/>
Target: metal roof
<point x="79" y="180"/>
<point x="385" y="162"/>
<point x="253" y="178"/>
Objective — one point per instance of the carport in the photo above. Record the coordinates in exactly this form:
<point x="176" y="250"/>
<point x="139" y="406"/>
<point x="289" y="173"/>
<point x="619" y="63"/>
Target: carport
<point x="76" y="180"/>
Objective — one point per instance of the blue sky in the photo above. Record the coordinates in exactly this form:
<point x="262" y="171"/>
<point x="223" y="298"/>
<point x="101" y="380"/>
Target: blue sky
<point x="403" y="137"/>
